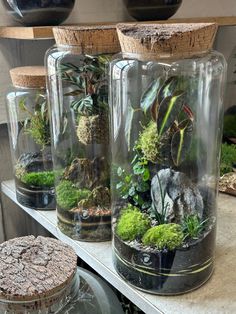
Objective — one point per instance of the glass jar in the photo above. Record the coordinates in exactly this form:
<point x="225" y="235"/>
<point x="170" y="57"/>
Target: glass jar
<point x="166" y="123"/>
<point x="30" y="139"/>
<point x="78" y="92"/>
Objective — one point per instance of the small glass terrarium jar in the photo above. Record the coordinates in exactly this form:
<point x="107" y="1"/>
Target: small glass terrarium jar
<point x="30" y="139"/>
<point x="78" y="92"/>
<point x="166" y="123"/>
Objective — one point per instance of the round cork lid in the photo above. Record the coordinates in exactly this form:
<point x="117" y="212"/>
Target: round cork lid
<point x="30" y="76"/>
<point x="33" y="268"/>
<point x="88" y="39"/>
<point x="166" y="40"/>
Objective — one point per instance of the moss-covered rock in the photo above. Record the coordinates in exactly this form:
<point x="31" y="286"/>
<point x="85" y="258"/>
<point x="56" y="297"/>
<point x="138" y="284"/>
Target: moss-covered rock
<point x="148" y="142"/>
<point x="100" y="196"/>
<point x="38" y="179"/>
<point x="132" y="224"/>
<point x="230" y="125"/>
<point x="68" y="195"/>
<point x="93" y="129"/>
<point x="166" y="236"/>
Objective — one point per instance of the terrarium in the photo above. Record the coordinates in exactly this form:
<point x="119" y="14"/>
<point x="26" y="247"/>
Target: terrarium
<point x="166" y="124"/>
<point x="30" y="139"/>
<point x="78" y="92"/>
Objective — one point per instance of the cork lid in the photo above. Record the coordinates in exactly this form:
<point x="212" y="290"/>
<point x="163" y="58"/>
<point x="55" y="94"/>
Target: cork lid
<point x="166" y="40"/>
<point x="29" y="77"/>
<point x="33" y="268"/>
<point x="88" y="39"/>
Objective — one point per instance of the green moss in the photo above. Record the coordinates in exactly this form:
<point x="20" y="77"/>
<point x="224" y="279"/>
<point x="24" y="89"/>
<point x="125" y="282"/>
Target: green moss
<point x="148" y="143"/>
<point x="228" y="158"/>
<point x="230" y="125"/>
<point x="132" y="224"/>
<point x="38" y="179"/>
<point x="167" y="236"/>
<point x="68" y="195"/>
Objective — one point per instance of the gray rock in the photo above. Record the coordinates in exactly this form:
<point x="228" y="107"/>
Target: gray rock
<point x="181" y="196"/>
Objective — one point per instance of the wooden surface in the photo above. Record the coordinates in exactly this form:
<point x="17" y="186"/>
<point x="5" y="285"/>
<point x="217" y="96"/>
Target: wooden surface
<point x="40" y="32"/>
<point x="217" y="296"/>
<point x="20" y="32"/>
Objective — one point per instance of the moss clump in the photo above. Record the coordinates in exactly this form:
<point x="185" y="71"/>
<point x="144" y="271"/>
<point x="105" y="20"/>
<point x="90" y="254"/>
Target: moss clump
<point x="132" y="224"/>
<point x="230" y="125"/>
<point x="68" y="195"/>
<point x="167" y="236"/>
<point x="93" y="129"/>
<point x="149" y="143"/>
<point x="228" y="158"/>
<point x="38" y="179"/>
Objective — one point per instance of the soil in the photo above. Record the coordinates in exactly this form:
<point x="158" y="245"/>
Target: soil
<point x="165" y="272"/>
<point x="92" y="224"/>
<point x="36" y="198"/>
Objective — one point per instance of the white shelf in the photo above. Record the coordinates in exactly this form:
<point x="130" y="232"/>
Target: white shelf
<point x="217" y="296"/>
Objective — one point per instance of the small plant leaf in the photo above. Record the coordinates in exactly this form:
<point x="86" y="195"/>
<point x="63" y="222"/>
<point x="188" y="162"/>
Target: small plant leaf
<point x="168" y="111"/>
<point x="74" y="92"/>
<point x="181" y="142"/>
<point x="149" y="96"/>
<point x="168" y="88"/>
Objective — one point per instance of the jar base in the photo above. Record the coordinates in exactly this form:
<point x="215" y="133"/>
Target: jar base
<point x="166" y="272"/>
<point x="38" y="200"/>
<point x="77" y="232"/>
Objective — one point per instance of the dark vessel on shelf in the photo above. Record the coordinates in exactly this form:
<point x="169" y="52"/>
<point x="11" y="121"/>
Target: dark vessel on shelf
<point x="39" y="12"/>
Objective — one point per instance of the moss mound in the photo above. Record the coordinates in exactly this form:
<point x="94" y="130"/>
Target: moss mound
<point x="132" y="224"/>
<point x="167" y="236"/>
<point x="148" y="142"/>
<point x="68" y="196"/>
<point x="38" y="179"/>
<point x="228" y="158"/>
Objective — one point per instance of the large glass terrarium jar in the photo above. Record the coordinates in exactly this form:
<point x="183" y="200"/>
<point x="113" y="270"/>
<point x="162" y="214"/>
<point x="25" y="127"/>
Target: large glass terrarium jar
<point x="30" y="140"/>
<point x="78" y="92"/>
<point x="166" y="123"/>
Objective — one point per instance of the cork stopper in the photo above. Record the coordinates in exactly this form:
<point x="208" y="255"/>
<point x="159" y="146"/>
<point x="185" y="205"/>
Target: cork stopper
<point x="93" y="39"/>
<point x="29" y="77"/>
<point x="173" y="41"/>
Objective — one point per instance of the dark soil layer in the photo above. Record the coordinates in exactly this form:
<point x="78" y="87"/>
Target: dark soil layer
<point x="166" y="272"/>
<point x="91" y="228"/>
<point x="36" y="198"/>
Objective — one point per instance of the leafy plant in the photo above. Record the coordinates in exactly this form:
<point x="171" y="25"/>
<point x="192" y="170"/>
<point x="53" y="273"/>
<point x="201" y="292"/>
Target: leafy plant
<point x="132" y="224"/>
<point x="37" y="124"/>
<point x="192" y="226"/>
<point x="228" y="158"/>
<point x="91" y="86"/>
<point x="38" y="179"/>
<point x="173" y="118"/>
<point x="68" y="195"/>
<point x="168" y="236"/>
<point x="135" y="186"/>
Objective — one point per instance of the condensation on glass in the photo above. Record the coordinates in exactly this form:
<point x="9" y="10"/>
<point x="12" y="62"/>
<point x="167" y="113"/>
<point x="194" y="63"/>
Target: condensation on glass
<point x="78" y="93"/>
<point x="30" y="139"/>
<point x="166" y="124"/>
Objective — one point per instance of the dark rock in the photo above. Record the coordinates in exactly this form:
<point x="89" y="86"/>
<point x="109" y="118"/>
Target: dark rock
<point x="181" y="196"/>
<point x="35" y="162"/>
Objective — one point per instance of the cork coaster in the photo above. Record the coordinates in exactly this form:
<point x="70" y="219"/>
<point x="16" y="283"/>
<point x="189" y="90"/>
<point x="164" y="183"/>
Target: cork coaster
<point x="35" y="268"/>
<point x="166" y="40"/>
<point x="29" y="77"/>
<point x="92" y="39"/>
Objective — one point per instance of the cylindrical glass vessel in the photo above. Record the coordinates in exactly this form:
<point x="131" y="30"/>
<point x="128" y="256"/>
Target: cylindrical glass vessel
<point x="30" y="139"/>
<point x="78" y="92"/>
<point x="166" y="124"/>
